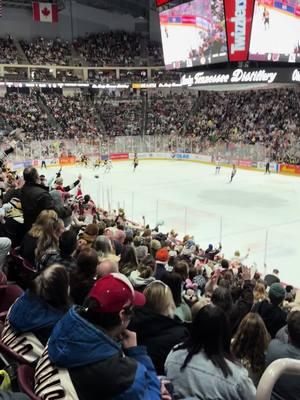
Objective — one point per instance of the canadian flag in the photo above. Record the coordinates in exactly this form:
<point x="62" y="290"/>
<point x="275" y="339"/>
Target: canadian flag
<point x="45" y="12"/>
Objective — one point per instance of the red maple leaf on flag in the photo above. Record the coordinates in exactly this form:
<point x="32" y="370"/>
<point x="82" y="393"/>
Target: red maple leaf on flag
<point x="45" y="11"/>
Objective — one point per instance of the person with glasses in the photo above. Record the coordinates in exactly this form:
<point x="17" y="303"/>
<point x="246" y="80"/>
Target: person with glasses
<point x="92" y="354"/>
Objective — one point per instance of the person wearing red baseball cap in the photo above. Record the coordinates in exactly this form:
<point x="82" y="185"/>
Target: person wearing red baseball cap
<point x="91" y="353"/>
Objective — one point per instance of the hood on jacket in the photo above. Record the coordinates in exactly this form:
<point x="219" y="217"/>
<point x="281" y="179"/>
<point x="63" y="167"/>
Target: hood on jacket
<point x="137" y="281"/>
<point x="152" y="324"/>
<point x="76" y="342"/>
<point x="30" y="313"/>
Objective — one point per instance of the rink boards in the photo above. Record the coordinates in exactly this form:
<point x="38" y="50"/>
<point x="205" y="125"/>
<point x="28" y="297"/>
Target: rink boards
<point x="282" y="168"/>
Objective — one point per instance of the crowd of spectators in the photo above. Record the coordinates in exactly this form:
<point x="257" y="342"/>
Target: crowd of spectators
<point x="8" y="51"/>
<point x="25" y="112"/>
<point x="44" y="51"/>
<point x="133" y="76"/>
<point x="122" y="117"/>
<point x="267" y="117"/>
<point x="168" y="114"/>
<point x="123" y="310"/>
<point x="137" y="312"/>
<point x="265" y="120"/>
<point x="75" y="115"/>
<point x="161" y="76"/>
<point x="116" y="49"/>
<point x="112" y="49"/>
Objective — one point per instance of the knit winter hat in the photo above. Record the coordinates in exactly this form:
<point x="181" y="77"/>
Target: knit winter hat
<point x="162" y="255"/>
<point x="155" y="244"/>
<point x="141" y="252"/>
<point x="277" y="292"/>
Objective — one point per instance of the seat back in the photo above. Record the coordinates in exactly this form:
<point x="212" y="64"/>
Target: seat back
<point x="8" y="295"/>
<point x="3" y="278"/>
<point x="25" y="375"/>
<point x="15" y="262"/>
<point x="11" y="355"/>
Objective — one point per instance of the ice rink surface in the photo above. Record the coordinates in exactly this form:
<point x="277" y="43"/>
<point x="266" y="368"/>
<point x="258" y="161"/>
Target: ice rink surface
<point x="255" y="211"/>
<point x="179" y="41"/>
<point x="270" y="39"/>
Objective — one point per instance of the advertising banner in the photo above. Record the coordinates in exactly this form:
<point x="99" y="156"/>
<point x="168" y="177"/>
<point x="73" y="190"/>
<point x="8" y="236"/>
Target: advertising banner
<point x="17" y="165"/>
<point x="238" y="25"/>
<point x="182" y="156"/>
<point x="201" y="157"/>
<point x="262" y="165"/>
<point x="241" y="75"/>
<point x="119" y="156"/>
<point x="245" y="163"/>
<point x="67" y="160"/>
<point x="150" y="155"/>
<point x="289" y="168"/>
<point x="27" y="163"/>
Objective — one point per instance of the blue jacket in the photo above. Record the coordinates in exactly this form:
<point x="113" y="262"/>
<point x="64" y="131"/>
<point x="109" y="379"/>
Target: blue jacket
<point x="28" y="326"/>
<point x="95" y="364"/>
<point x="31" y="313"/>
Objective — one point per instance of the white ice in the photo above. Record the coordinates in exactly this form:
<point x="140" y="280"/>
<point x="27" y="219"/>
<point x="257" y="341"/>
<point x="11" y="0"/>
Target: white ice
<point x="180" y="41"/>
<point x="190" y="198"/>
<point x="280" y="37"/>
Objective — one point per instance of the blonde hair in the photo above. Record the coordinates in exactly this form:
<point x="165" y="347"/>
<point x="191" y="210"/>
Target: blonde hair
<point x="159" y="298"/>
<point x="259" y="292"/>
<point x="42" y="219"/>
<point x="49" y="238"/>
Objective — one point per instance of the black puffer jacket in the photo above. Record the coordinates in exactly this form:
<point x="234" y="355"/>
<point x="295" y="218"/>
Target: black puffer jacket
<point x="273" y="316"/>
<point x="158" y="333"/>
<point x="35" y="198"/>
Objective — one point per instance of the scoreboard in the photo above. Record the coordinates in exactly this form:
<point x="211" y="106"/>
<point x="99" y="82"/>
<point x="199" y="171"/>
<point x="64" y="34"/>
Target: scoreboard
<point x="201" y="32"/>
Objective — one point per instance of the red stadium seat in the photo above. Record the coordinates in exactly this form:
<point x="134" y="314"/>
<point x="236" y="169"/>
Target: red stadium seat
<point x="8" y="295"/>
<point x="25" y="375"/>
<point x="10" y="355"/>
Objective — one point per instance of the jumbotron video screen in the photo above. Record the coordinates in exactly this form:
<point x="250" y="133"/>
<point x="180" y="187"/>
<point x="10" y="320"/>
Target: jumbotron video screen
<point x="194" y="34"/>
<point x="275" y="32"/>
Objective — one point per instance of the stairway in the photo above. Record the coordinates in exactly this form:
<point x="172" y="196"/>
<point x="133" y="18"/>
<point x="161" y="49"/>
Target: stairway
<point x="45" y="108"/>
<point x="99" y="121"/>
<point x="145" y="114"/>
<point x="191" y="114"/>
<point x="76" y="60"/>
<point x="21" y="55"/>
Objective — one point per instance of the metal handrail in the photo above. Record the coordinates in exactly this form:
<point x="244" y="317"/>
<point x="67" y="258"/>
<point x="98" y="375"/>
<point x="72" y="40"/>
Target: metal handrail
<point x="273" y="373"/>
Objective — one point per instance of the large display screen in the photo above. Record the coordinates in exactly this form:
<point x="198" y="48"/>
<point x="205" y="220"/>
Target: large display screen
<point x="193" y="34"/>
<point x="160" y="3"/>
<point x="275" y="32"/>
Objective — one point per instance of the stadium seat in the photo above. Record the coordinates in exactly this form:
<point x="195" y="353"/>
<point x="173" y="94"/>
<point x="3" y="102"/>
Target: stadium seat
<point x="23" y="270"/>
<point x="10" y="355"/>
<point x="3" y="278"/>
<point x="25" y="375"/>
<point x="8" y="295"/>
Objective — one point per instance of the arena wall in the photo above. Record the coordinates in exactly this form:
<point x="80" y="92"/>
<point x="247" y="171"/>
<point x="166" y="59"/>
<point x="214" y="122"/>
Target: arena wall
<point x="19" y="23"/>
